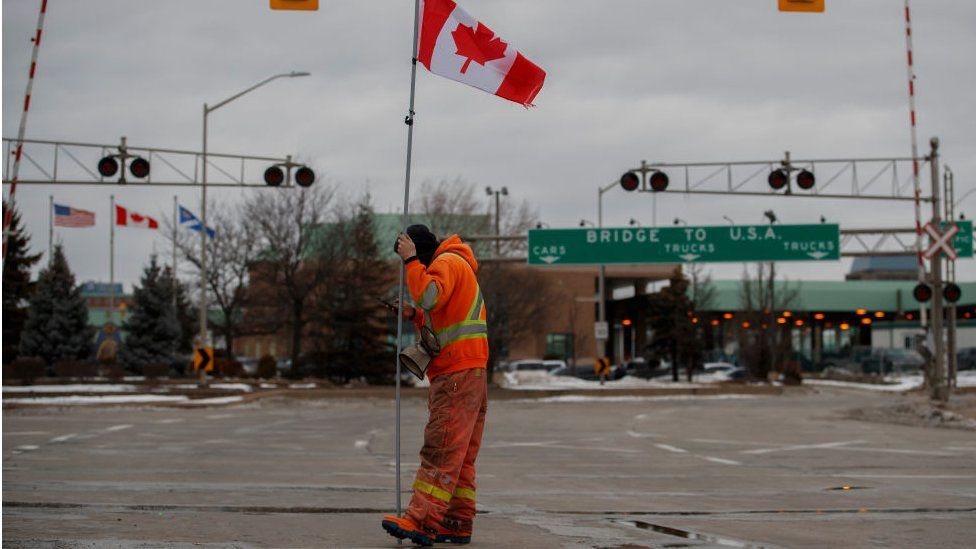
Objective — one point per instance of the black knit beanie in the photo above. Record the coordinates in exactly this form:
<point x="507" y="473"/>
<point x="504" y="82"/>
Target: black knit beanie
<point x="425" y="241"/>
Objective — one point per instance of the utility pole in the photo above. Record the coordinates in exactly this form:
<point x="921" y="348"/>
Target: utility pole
<point x="950" y="214"/>
<point x="498" y="224"/>
<point x="938" y="390"/>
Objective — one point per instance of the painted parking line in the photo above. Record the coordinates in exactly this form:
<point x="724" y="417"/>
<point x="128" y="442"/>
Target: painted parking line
<point x="795" y="447"/>
<point x="115" y="428"/>
<point x="673" y="449"/>
<point x="723" y="461"/>
<point x="63" y="438"/>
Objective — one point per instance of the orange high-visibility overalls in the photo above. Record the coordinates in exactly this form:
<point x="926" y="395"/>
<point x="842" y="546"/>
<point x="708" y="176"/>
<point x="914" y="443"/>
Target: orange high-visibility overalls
<point x="450" y="302"/>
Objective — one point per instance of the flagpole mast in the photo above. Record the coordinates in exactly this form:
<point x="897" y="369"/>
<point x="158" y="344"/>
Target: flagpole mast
<point x="406" y="208"/>
<point x="50" y="228"/>
<point x="111" y="261"/>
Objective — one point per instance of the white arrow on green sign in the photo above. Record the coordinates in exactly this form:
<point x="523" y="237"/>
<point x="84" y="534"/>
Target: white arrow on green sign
<point x="710" y="244"/>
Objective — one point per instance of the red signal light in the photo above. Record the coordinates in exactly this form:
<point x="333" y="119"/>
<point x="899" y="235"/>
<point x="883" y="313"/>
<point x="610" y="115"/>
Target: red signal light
<point x="922" y="293"/>
<point x="778" y="179"/>
<point x="805" y="180"/>
<point x="629" y="181"/>
<point x="274" y="176"/>
<point x="659" y="181"/>
<point x="108" y="166"/>
<point x="952" y="292"/>
<point x="139" y="167"/>
<point x="304" y="176"/>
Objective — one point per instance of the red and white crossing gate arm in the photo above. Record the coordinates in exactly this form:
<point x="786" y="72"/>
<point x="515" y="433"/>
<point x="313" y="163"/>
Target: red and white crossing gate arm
<point x="941" y="242"/>
<point x="911" y="109"/>
<point x="8" y="216"/>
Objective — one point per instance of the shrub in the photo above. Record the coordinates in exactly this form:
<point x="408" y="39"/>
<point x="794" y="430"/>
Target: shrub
<point x="155" y="370"/>
<point x="27" y="369"/>
<point x="792" y="374"/>
<point x="267" y="367"/>
<point x="75" y="368"/>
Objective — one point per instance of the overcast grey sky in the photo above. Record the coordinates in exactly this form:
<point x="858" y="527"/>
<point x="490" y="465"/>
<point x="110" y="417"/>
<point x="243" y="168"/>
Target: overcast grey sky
<point x="661" y="80"/>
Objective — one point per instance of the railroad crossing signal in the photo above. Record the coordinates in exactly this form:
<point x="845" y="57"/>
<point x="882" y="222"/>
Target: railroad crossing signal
<point x="802" y="5"/>
<point x="941" y="241"/>
<point x="203" y="358"/>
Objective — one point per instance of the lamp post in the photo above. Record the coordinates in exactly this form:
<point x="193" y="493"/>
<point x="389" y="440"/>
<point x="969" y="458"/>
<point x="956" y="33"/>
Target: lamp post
<point x="679" y="221"/>
<point x="498" y="194"/>
<point x="729" y="219"/>
<point x="203" y="206"/>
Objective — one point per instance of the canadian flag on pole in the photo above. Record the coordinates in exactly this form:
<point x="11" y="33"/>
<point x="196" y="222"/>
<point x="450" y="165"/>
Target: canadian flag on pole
<point x="125" y="218"/>
<point x="457" y="46"/>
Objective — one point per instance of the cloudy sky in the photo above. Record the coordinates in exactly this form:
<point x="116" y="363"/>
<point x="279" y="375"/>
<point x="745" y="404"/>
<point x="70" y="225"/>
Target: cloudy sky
<point x="628" y="80"/>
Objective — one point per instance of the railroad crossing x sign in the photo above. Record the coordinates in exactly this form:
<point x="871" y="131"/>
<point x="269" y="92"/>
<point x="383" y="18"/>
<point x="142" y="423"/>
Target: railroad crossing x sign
<point x="941" y="241"/>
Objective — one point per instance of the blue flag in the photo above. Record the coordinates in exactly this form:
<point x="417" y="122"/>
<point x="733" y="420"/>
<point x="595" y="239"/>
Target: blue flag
<point x="191" y="222"/>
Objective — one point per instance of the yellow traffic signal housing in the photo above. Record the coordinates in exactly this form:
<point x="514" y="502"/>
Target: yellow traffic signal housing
<point x="307" y="5"/>
<point x="801" y="5"/>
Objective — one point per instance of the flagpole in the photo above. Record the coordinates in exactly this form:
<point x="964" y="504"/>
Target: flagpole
<point x="50" y="228"/>
<point x="111" y="261"/>
<point x="406" y="208"/>
<point x="175" y="283"/>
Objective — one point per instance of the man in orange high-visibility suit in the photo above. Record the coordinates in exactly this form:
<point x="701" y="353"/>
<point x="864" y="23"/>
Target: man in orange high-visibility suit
<point x="441" y="279"/>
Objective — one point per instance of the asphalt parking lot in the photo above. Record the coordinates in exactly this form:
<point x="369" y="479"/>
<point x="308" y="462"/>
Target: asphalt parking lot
<point x="570" y="471"/>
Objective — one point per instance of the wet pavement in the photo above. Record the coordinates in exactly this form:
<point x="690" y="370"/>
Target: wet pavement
<point x="675" y="471"/>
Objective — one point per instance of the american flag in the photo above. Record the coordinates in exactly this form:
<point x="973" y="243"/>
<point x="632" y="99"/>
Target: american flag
<point x="66" y="216"/>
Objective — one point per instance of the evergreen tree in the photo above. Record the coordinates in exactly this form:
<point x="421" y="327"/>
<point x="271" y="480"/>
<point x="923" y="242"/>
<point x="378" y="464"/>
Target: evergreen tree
<point x="186" y="312"/>
<point x="17" y="285"/>
<point x="358" y="343"/>
<point x="670" y="315"/>
<point x="152" y="330"/>
<point x="57" y="321"/>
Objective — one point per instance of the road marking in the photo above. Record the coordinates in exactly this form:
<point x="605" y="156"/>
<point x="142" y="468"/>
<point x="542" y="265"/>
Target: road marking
<point x="63" y="438"/>
<point x="635" y="434"/>
<point x="869" y="475"/>
<point x="728" y="442"/>
<point x="900" y="451"/>
<point x="673" y="449"/>
<point x="27" y="447"/>
<point x="721" y="460"/>
<point x="168" y="421"/>
<point x="361" y="443"/>
<point x="115" y="428"/>
<point x="220" y="416"/>
<point x="26" y="433"/>
<point x="824" y="445"/>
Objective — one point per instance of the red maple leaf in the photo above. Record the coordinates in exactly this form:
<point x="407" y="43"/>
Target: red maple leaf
<point x="479" y="45"/>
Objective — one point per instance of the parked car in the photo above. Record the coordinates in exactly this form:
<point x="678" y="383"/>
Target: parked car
<point x="891" y="361"/>
<point x="738" y="375"/>
<point x="250" y="364"/>
<point x="533" y="365"/>
<point x="966" y="358"/>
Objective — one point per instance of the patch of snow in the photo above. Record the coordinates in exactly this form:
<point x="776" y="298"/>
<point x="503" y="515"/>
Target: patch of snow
<point x="302" y="386"/>
<point x="895" y="384"/>
<point x="663" y="398"/>
<point x="216" y="400"/>
<point x="544" y="381"/>
<point x="73" y="388"/>
<point x="134" y="378"/>
<point x="108" y="399"/>
<point x="268" y="386"/>
<point x="243" y="387"/>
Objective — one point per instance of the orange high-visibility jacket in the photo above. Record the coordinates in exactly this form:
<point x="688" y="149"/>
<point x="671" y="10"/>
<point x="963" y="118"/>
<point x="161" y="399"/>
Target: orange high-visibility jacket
<point x="450" y="302"/>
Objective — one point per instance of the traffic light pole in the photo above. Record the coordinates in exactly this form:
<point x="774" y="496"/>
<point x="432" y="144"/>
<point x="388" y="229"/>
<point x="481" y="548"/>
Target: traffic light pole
<point x="938" y="390"/>
<point x="601" y="344"/>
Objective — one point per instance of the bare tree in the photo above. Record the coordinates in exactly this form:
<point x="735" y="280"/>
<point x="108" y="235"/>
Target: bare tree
<point x="517" y="299"/>
<point x="300" y="249"/>
<point x="231" y="247"/>
<point x="702" y="295"/>
<point x="766" y="344"/>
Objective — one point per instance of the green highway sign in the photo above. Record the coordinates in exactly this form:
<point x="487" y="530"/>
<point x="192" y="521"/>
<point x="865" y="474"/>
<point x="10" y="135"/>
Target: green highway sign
<point x="719" y="243"/>
<point x="963" y="241"/>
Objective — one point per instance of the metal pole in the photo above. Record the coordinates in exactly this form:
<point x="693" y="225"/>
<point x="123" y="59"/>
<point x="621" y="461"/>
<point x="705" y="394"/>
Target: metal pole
<point x="406" y="208"/>
<point x="938" y="389"/>
<point x="950" y="213"/>
<point x="203" y="249"/>
<point x="22" y="129"/>
<point x="915" y="179"/>
<point x="175" y="280"/>
<point x="111" y="261"/>
<point x="601" y="344"/>
<point x="498" y="231"/>
<point x="50" y="228"/>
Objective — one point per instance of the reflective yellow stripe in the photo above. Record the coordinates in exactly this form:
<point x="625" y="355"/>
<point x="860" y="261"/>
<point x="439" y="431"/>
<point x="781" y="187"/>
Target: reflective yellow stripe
<point x="429" y="299"/>
<point x="465" y="493"/>
<point x="428" y="488"/>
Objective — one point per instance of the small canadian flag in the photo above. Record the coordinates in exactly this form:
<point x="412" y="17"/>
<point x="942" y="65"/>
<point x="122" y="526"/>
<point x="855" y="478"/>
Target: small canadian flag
<point x="126" y="218"/>
<point x="457" y="46"/>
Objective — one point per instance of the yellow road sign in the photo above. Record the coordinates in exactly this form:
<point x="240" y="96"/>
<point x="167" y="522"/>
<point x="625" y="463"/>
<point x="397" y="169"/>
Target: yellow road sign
<point x="203" y="358"/>
<point x="309" y="5"/>
<point x="602" y="366"/>
<point x="816" y="6"/>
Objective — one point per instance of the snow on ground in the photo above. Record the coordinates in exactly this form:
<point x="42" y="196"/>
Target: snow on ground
<point x="268" y="386"/>
<point x="591" y="398"/>
<point x="122" y="399"/>
<point x="893" y="383"/>
<point x="79" y="388"/>
<point x="302" y="386"/>
<point x="225" y="386"/>
<point x="544" y="381"/>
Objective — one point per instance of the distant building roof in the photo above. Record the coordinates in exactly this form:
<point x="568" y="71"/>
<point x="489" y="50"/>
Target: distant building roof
<point x="100" y="289"/>
<point x="885" y="263"/>
<point x="838" y="295"/>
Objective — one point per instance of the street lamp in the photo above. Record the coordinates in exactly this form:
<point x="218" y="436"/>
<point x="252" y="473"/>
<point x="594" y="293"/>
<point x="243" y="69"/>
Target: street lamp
<point x="585" y="222"/>
<point x="203" y="206"/>
<point x="498" y="194"/>
<point x="770" y="215"/>
<point x="679" y="221"/>
<point x="729" y="219"/>
<point x="634" y="222"/>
